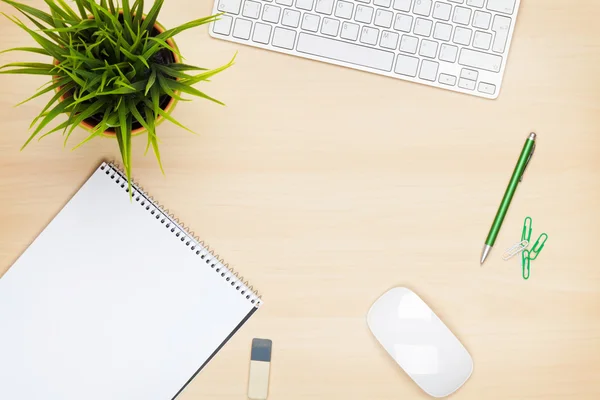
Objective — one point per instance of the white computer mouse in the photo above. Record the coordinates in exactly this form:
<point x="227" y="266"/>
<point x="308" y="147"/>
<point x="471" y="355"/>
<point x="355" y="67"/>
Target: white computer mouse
<point x="420" y="342"/>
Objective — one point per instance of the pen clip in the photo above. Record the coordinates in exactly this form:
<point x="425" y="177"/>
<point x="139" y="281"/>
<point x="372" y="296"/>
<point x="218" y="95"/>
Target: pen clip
<point x="527" y="163"/>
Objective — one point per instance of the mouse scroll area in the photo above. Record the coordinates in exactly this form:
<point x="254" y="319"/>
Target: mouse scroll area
<point x="420" y="342"/>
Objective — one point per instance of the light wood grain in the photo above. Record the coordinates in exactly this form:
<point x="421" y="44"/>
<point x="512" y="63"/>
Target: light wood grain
<point x="327" y="186"/>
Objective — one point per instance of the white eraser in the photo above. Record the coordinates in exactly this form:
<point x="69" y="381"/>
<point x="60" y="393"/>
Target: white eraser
<point x="260" y="366"/>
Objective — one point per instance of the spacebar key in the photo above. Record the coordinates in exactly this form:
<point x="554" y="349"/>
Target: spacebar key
<point x="346" y="52"/>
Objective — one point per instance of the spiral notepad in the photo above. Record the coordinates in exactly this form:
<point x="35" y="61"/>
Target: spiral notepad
<point x="115" y="299"/>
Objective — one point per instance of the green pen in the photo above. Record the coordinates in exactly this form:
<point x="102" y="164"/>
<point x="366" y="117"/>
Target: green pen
<point x="517" y="177"/>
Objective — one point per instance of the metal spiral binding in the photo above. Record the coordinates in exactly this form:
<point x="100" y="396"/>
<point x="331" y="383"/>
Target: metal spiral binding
<point x="193" y="241"/>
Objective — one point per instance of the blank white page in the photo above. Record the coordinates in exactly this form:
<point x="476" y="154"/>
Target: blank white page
<point x="110" y="303"/>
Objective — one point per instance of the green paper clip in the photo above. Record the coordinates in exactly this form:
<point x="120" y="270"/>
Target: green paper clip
<point x="526" y="235"/>
<point x="538" y="246"/>
<point x="526" y="264"/>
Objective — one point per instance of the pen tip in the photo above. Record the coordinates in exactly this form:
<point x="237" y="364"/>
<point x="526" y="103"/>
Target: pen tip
<point x="484" y="253"/>
<point x="532" y="136"/>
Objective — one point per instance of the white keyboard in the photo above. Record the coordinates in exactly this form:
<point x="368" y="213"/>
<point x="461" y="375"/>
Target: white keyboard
<point x="461" y="45"/>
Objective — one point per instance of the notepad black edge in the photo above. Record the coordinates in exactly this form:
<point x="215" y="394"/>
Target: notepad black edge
<point x="233" y="332"/>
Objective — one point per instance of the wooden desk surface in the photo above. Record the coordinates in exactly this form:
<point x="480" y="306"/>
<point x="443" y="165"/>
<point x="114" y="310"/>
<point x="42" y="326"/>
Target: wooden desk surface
<point x="328" y="186"/>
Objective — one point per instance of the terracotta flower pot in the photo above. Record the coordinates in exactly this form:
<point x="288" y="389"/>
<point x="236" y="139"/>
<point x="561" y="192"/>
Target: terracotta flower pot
<point x="168" y="106"/>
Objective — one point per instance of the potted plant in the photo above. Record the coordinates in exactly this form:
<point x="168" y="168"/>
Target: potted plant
<point x="115" y="71"/>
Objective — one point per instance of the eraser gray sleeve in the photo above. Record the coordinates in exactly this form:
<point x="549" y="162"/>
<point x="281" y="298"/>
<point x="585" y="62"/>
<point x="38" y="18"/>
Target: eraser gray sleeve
<point x="261" y="350"/>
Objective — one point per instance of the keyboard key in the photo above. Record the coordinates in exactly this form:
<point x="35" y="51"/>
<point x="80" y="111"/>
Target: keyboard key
<point x="382" y="3"/>
<point x="344" y="9"/>
<point x="482" y="19"/>
<point x="502" y="28"/>
<point x="290" y="18"/>
<point x="462" y="36"/>
<point x="310" y="22"/>
<point x="402" y="5"/>
<point x="330" y="27"/>
<point x="503" y="6"/>
<point x="487" y="88"/>
<point x="466" y="84"/>
<point x="429" y="70"/>
<point x="448" y="53"/>
<point x="324" y="7"/>
<point x="230" y="6"/>
<point x="305" y="4"/>
<point x="285" y="2"/>
<point x="384" y="18"/>
<point x="482" y="40"/>
<point x="406" y="65"/>
<point x="364" y="14"/>
<point x="475" y="3"/>
<point x="442" y="31"/>
<point x="462" y="15"/>
<point x="262" y="33"/>
<point x="242" y="29"/>
<point x="480" y="60"/>
<point x="223" y="25"/>
<point x="345" y="52"/>
<point x="423" y="27"/>
<point x="423" y="7"/>
<point x="350" y="31"/>
<point x="389" y="40"/>
<point x="428" y="48"/>
<point x="284" y="38"/>
<point x="442" y="11"/>
<point x="251" y="9"/>
<point x="447" y="79"/>
<point x="403" y="23"/>
<point x="271" y="13"/>
<point x="409" y="44"/>
<point x="369" y="35"/>
<point x="469" y="74"/>
<point x="457" y="1"/>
